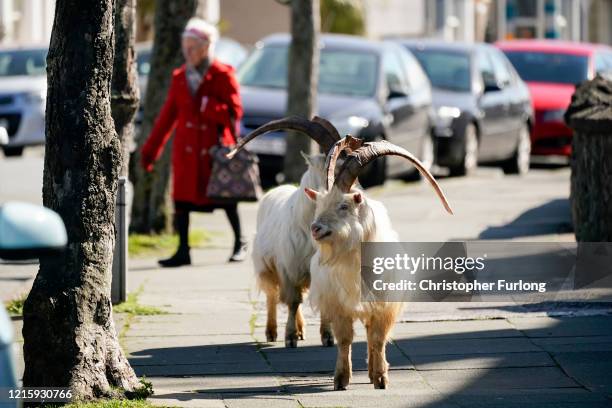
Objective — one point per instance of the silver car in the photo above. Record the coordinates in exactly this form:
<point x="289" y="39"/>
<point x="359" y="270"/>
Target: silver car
<point x="23" y="90"/>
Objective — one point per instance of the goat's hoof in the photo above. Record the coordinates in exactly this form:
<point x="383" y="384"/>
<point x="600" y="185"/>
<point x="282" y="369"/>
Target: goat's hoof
<point x="291" y="342"/>
<point x="381" y="382"/>
<point x="341" y="382"/>
<point x="327" y="339"/>
<point x="271" y="336"/>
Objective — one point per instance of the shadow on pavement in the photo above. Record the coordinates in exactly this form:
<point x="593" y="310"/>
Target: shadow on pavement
<point x="554" y="217"/>
<point x="526" y="362"/>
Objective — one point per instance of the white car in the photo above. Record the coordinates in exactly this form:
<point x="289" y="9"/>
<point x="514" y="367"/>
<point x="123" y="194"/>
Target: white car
<point x="27" y="231"/>
<point x="23" y="90"/>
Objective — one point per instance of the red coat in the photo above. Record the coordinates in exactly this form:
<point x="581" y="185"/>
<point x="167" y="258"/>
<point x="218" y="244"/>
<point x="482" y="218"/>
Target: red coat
<point x="198" y="121"/>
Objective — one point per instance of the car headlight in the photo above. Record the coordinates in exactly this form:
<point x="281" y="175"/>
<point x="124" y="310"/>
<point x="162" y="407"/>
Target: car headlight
<point x="555" y="115"/>
<point x="37" y="97"/>
<point x="446" y="115"/>
<point x="351" y="125"/>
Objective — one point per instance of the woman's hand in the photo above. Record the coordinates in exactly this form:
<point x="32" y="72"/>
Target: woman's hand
<point x="146" y="159"/>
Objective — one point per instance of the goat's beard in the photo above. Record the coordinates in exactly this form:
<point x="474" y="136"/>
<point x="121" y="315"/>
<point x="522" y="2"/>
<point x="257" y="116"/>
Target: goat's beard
<point x="344" y="241"/>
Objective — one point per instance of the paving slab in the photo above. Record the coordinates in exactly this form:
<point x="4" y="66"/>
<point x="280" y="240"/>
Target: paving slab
<point x="531" y="398"/>
<point x="498" y="378"/>
<point x="440" y="345"/>
<point x="493" y="360"/>
<point x="564" y="326"/>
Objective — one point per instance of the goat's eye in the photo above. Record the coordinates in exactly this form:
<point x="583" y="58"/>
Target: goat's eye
<point x="343" y="207"/>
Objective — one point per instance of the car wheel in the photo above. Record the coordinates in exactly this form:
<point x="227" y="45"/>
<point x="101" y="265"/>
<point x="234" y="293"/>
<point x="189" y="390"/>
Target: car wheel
<point x="469" y="159"/>
<point x="374" y="173"/>
<point x="427" y="157"/>
<point x="520" y="160"/>
<point x="13" y="151"/>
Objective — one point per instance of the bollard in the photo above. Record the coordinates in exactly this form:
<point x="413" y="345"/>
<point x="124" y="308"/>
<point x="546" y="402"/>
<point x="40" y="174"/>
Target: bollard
<point x="119" y="279"/>
<point x="590" y="116"/>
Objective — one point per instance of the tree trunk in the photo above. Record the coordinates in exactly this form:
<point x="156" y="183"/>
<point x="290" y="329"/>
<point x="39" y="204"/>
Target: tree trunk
<point x="124" y="86"/>
<point x="151" y="208"/>
<point x="303" y="78"/>
<point x="590" y="115"/>
<point x="69" y="334"/>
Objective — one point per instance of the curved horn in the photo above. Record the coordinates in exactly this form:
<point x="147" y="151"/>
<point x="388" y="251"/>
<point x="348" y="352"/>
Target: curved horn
<point x="353" y="165"/>
<point x="318" y="129"/>
<point x="348" y="144"/>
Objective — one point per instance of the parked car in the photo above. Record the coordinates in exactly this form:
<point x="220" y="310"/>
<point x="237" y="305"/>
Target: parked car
<point x="23" y="90"/>
<point x="371" y="90"/>
<point x="483" y="109"/>
<point x="552" y="69"/>
<point x="227" y="51"/>
<point x="26" y="231"/>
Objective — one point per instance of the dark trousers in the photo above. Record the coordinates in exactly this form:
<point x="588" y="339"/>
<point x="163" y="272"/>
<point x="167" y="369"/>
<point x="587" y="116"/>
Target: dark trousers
<point x="181" y="220"/>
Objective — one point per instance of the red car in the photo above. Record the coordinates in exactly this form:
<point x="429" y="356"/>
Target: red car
<point x="552" y="69"/>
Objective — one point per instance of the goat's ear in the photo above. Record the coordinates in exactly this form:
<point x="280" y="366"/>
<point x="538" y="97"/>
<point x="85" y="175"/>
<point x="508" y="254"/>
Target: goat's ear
<point x="357" y="198"/>
<point x="306" y="158"/>
<point x="311" y="194"/>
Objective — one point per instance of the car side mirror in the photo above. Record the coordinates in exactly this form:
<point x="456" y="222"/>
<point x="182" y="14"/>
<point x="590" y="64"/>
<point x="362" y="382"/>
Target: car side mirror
<point x="492" y="87"/>
<point x="29" y="231"/>
<point x="4" y="137"/>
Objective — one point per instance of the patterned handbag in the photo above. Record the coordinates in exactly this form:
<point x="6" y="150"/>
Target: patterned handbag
<point x="235" y="179"/>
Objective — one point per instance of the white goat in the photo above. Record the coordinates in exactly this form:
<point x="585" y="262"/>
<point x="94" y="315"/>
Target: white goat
<point x="282" y="247"/>
<point x="345" y="217"/>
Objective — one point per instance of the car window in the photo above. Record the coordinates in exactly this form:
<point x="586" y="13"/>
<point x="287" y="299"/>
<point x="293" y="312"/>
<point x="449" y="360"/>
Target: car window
<point x="341" y="72"/>
<point x="549" y="67"/>
<point x="395" y="73"/>
<point x="502" y="74"/>
<point x="485" y="68"/>
<point x="417" y="79"/>
<point x="23" y="63"/>
<point x="446" y="69"/>
<point x="603" y="63"/>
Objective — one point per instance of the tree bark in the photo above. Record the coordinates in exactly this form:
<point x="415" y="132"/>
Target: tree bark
<point x="151" y="208"/>
<point x="124" y="85"/>
<point x="302" y="80"/>
<point x="69" y="334"/>
<point x="590" y="115"/>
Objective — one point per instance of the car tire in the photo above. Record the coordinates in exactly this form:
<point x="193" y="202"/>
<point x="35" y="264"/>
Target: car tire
<point x="374" y="173"/>
<point x="469" y="158"/>
<point x="13" y="151"/>
<point x="520" y="160"/>
<point x="427" y="157"/>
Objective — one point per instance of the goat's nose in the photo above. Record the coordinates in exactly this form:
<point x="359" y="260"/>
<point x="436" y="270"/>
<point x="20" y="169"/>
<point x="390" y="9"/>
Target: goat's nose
<point x="315" y="228"/>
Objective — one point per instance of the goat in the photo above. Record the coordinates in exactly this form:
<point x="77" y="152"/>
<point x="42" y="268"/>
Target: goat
<point x="345" y="217"/>
<point x="282" y="247"/>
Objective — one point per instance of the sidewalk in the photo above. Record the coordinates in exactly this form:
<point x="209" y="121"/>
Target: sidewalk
<point x="210" y="350"/>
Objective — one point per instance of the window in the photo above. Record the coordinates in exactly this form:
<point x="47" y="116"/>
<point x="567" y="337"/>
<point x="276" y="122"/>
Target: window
<point x="341" y="72"/>
<point x="446" y="69"/>
<point x="395" y="73"/>
<point x="550" y="67"/>
<point x="485" y="68"/>
<point x="416" y="76"/>
<point x="502" y="74"/>
<point x="23" y="63"/>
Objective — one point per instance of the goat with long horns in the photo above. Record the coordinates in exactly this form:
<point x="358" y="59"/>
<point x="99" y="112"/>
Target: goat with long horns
<point x="344" y="218"/>
<point x="282" y="247"/>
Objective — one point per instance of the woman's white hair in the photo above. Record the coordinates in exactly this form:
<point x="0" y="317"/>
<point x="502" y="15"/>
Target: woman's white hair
<point x="201" y="30"/>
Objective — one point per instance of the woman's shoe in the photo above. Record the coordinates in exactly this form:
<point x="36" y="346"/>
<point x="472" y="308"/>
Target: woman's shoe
<point x="240" y="252"/>
<point x="180" y="258"/>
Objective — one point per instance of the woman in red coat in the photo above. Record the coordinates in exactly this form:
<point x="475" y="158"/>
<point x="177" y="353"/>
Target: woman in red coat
<point x="203" y="107"/>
